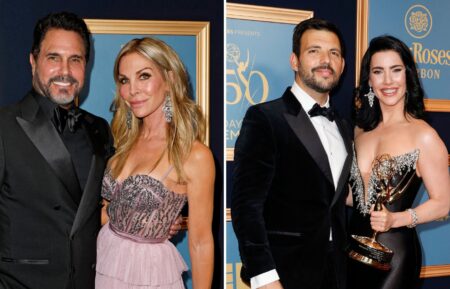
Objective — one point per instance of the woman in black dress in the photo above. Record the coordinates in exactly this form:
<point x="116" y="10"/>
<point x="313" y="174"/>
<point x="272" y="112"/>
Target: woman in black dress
<point x="389" y="109"/>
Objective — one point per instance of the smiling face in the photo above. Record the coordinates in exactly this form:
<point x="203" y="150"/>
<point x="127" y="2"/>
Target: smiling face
<point x="320" y="62"/>
<point x="59" y="68"/>
<point x="142" y="85"/>
<point x="388" y="78"/>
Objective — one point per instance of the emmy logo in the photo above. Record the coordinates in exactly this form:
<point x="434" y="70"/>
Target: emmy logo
<point x="245" y="80"/>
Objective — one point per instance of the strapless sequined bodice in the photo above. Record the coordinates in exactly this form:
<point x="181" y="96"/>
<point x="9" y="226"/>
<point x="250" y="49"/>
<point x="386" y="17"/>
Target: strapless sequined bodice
<point x="406" y="262"/>
<point x="141" y="206"/>
<point x="403" y="174"/>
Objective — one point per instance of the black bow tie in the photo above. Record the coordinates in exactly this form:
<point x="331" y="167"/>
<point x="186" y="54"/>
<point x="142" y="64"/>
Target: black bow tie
<point x="327" y="112"/>
<point x="62" y="116"/>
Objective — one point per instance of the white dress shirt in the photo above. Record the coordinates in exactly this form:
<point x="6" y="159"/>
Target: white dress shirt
<point x="334" y="147"/>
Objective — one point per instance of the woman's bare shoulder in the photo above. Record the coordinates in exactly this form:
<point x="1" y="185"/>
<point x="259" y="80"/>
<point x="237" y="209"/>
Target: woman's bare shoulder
<point x="424" y="134"/>
<point x="199" y="158"/>
<point x="426" y="139"/>
<point x="200" y="152"/>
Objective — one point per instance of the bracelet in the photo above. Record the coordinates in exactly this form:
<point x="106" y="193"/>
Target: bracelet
<point x="413" y="217"/>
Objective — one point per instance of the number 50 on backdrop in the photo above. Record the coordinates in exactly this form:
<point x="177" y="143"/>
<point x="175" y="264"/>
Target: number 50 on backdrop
<point x="254" y="73"/>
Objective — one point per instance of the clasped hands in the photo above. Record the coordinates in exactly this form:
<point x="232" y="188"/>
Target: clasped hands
<point x="176" y="226"/>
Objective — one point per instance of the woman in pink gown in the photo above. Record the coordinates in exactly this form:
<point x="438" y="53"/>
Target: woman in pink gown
<point x="160" y="164"/>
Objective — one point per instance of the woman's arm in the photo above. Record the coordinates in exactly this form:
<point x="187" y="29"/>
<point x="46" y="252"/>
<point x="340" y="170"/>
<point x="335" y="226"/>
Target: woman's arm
<point x="200" y="171"/>
<point x="432" y="166"/>
<point x="104" y="212"/>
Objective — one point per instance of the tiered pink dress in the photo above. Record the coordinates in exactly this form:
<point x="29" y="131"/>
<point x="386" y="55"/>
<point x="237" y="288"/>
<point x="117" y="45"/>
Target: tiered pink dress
<point x="133" y="250"/>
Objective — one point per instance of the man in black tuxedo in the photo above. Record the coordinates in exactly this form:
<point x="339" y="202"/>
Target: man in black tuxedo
<point x="292" y="160"/>
<point x="52" y="158"/>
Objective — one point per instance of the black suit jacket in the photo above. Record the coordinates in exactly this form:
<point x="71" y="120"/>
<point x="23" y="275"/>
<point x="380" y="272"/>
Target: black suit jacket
<point x="47" y="240"/>
<point x="283" y="200"/>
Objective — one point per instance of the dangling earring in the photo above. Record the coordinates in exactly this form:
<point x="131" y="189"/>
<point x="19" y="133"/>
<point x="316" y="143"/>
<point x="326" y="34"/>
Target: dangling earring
<point x="370" y="96"/>
<point x="167" y="109"/>
<point x="128" y="116"/>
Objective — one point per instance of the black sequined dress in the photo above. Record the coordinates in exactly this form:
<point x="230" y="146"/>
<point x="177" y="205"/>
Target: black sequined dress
<point x="407" y="259"/>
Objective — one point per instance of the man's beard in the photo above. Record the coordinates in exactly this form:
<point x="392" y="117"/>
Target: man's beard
<point x="62" y="97"/>
<point x="312" y="82"/>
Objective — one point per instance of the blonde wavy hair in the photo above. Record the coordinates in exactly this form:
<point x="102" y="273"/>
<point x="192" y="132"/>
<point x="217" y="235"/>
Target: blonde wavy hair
<point x="187" y="123"/>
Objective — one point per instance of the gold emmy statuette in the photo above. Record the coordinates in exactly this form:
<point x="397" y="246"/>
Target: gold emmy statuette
<point x="367" y="249"/>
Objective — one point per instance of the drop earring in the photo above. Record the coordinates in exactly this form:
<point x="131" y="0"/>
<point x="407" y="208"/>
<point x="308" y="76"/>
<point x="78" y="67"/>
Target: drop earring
<point x="128" y="116"/>
<point x="167" y="109"/>
<point x="370" y="96"/>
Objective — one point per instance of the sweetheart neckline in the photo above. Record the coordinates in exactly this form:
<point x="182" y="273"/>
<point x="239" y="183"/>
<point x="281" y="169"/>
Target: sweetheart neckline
<point x="121" y="183"/>
<point x="365" y="198"/>
<point x="371" y="168"/>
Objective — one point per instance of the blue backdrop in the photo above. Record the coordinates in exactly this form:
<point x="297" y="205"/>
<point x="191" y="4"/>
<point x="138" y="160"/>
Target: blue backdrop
<point x="424" y="27"/>
<point x="254" y="74"/>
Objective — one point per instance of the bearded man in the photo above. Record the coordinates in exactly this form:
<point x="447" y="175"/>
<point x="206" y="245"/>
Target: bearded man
<point x="292" y="160"/>
<point x="52" y="158"/>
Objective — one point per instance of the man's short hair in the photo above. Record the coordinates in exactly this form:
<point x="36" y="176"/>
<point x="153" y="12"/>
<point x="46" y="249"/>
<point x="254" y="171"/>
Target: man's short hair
<point x="315" y="24"/>
<point x="61" y="20"/>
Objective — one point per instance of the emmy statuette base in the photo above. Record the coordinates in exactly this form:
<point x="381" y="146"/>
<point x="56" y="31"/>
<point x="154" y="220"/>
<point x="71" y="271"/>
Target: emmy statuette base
<point x="370" y="252"/>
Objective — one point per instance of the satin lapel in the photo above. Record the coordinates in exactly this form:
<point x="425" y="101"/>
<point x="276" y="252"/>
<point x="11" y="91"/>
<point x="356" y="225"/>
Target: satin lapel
<point x="44" y="136"/>
<point x="348" y="160"/>
<point x="91" y="195"/>
<point x="305" y="132"/>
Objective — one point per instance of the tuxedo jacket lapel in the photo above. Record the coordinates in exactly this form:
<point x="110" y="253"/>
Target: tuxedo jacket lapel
<point x="346" y="167"/>
<point x="91" y="197"/>
<point x="304" y="130"/>
<point x="46" y="139"/>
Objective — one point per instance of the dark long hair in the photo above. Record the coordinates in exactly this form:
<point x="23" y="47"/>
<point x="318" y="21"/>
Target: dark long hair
<point x="367" y="117"/>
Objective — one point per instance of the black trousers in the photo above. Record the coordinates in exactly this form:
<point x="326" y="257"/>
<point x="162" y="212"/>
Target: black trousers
<point x="330" y="275"/>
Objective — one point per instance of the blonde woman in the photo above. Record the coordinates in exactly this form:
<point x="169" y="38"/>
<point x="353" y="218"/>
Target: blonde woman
<point x="160" y="163"/>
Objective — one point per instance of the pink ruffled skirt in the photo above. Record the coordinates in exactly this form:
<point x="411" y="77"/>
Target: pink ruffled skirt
<point x="126" y="264"/>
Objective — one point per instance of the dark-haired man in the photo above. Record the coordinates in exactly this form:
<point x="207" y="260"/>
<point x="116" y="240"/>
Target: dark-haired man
<point x="292" y="160"/>
<point x="52" y="158"/>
